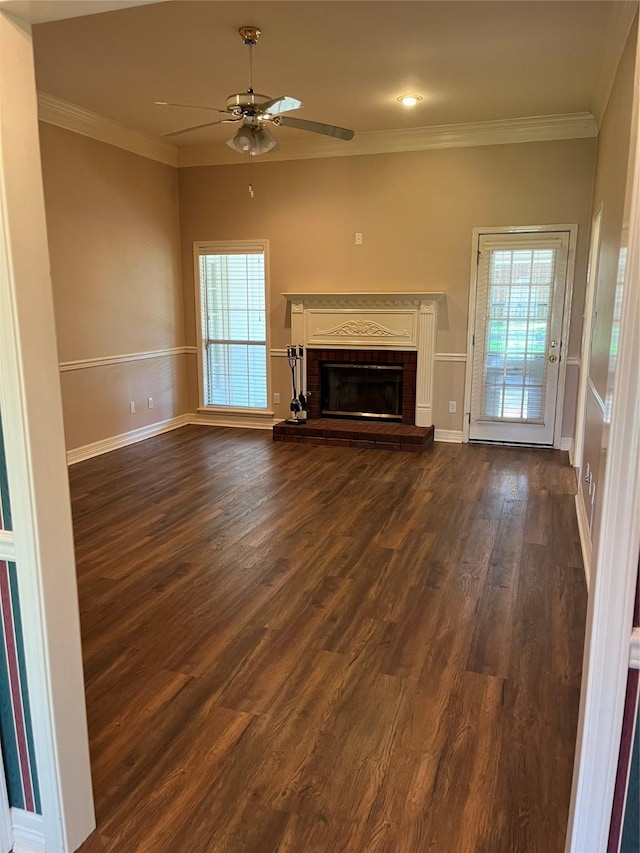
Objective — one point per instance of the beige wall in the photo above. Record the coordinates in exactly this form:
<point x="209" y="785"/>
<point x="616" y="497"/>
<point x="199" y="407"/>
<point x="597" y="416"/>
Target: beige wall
<point x="609" y="194"/>
<point x="113" y="229"/>
<point x="416" y="212"/>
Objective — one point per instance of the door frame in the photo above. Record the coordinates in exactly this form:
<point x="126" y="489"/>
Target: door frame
<point x="587" y="334"/>
<point x="572" y="231"/>
<point x="609" y="629"/>
<point x="30" y="399"/>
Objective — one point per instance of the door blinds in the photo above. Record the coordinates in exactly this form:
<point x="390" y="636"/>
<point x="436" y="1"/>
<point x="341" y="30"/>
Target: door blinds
<point x="513" y="316"/>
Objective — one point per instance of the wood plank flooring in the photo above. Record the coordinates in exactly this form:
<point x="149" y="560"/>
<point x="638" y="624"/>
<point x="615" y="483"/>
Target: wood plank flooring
<point x="313" y="650"/>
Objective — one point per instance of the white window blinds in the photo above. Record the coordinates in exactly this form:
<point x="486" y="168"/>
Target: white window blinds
<point x="514" y="304"/>
<point x="233" y="309"/>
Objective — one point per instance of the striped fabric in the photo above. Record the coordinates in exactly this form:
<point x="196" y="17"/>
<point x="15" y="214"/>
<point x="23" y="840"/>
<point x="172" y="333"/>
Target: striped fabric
<point x="5" y="506"/>
<point x="15" y="716"/>
<point x="16" y="734"/>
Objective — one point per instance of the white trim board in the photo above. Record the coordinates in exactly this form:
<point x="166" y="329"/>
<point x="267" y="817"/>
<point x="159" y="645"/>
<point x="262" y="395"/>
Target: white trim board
<point x="585" y="536"/>
<point x="451" y="356"/>
<point x="463" y="135"/>
<point x="217" y="419"/>
<point x="105" y="445"/>
<point x="597" y="398"/>
<point x="451" y="436"/>
<point x="615" y="564"/>
<point x="104" y="361"/>
<point x="76" y="119"/>
<point x="28" y="832"/>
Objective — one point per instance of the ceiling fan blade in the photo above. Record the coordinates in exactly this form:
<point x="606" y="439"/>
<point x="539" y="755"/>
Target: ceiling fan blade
<point x="315" y="127"/>
<point x="190" y="106"/>
<point x="281" y="105"/>
<point x="198" y="126"/>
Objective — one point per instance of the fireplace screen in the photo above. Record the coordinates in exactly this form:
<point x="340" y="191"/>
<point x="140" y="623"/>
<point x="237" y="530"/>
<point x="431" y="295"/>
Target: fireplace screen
<point x="361" y="391"/>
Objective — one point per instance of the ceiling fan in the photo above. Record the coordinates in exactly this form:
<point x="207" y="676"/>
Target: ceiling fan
<point x="256" y="112"/>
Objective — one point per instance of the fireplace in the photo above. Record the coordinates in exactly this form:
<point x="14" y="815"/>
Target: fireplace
<point x="372" y="391"/>
<point x="362" y="384"/>
<point x="386" y="328"/>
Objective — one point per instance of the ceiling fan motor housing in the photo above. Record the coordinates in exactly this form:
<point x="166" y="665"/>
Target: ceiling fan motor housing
<point x="250" y="35"/>
<point x="248" y="103"/>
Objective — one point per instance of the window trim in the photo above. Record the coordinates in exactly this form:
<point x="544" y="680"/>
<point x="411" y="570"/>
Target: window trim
<point x="231" y="247"/>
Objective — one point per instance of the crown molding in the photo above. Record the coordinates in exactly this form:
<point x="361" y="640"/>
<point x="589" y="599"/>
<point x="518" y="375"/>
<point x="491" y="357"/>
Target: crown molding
<point x="69" y="116"/>
<point x="621" y="17"/>
<point x="501" y="132"/>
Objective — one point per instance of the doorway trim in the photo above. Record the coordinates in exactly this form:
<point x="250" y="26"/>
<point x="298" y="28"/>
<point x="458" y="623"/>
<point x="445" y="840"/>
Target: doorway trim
<point x="572" y="231"/>
<point x="609" y="630"/>
<point x="587" y="334"/>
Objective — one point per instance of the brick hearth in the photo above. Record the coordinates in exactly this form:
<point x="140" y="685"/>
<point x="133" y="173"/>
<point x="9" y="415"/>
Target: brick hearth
<point x="336" y="432"/>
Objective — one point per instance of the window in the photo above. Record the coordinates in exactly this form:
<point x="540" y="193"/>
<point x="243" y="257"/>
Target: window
<point x="232" y="284"/>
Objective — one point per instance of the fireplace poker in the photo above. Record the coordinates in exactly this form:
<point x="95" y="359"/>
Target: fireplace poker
<point x="301" y="397"/>
<point x="295" y="407"/>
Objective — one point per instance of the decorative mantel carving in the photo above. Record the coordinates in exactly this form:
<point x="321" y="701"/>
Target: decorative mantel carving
<point x="386" y="321"/>
<point x="359" y="329"/>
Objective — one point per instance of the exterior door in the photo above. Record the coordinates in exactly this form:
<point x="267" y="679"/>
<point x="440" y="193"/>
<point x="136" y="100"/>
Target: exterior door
<point x="516" y="342"/>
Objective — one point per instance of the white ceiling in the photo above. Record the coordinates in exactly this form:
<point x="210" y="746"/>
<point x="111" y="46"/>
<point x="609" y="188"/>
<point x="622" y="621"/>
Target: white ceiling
<point x="471" y="60"/>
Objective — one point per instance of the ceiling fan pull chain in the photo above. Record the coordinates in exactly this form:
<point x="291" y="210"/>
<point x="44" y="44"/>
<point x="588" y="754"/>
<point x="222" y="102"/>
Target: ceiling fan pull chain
<point x="251" y="193"/>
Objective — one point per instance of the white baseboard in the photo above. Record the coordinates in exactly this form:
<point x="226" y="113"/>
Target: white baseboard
<point x="585" y="535"/>
<point x="572" y="453"/>
<point x="453" y="436"/>
<point x="28" y="832"/>
<point x="566" y="443"/>
<point x="105" y="445"/>
<point x="240" y="420"/>
<point x="88" y="451"/>
<point x="97" y="448"/>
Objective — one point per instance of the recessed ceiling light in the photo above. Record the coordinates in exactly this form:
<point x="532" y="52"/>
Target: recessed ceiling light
<point x="409" y="100"/>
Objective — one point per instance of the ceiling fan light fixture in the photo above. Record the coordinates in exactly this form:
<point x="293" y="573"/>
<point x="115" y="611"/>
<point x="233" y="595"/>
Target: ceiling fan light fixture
<point x="263" y="141"/>
<point x="253" y="140"/>
<point x="409" y="100"/>
<point x="243" y="140"/>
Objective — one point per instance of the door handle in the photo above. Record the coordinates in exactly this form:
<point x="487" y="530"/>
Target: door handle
<point x="554" y="343"/>
<point x="553" y="358"/>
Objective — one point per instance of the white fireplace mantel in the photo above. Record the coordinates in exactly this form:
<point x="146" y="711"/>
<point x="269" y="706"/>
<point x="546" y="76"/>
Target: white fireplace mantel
<point x="377" y="320"/>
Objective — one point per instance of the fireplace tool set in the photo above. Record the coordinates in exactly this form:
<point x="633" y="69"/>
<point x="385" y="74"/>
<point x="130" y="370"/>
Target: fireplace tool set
<point x="295" y="356"/>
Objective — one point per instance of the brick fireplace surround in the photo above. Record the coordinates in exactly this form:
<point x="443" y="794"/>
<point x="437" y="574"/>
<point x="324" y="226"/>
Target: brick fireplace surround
<point x="407" y="360"/>
<point x="394" y="327"/>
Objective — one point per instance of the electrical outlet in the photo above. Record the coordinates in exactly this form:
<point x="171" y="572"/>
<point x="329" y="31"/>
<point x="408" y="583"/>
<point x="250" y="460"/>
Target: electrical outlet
<point x="132" y="407"/>
<point x="276" y="397"/>
<point x="150" y="402"/>
<point x="452" y="407"/>
<point x="358" y="238"/>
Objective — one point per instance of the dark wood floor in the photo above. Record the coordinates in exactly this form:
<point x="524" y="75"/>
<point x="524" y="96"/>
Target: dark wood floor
<point x="292" y="648"/>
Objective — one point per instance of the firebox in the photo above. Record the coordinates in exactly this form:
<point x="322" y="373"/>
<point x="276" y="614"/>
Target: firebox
<point x="372" y="391"/>
<point x="403" y="360"/>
